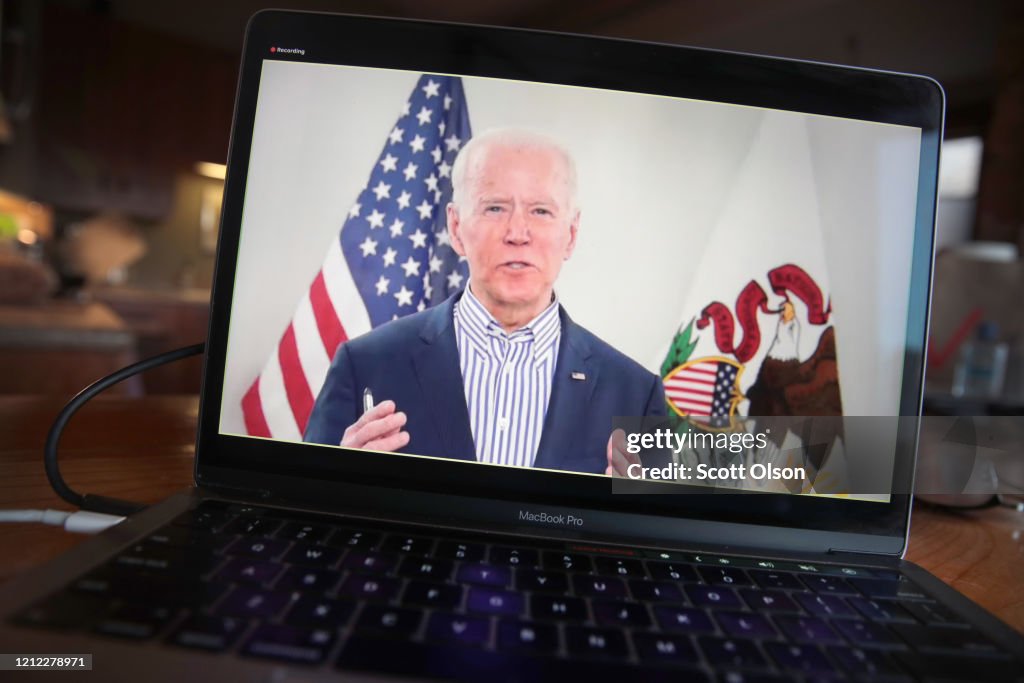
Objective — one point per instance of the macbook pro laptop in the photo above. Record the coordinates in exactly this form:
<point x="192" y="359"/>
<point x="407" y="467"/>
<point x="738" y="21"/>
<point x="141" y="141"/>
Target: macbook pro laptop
<point x="640" y="331"/>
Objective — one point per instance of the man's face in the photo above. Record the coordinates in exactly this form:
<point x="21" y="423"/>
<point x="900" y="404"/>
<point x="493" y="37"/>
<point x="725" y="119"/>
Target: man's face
<point x="515" y="226"/>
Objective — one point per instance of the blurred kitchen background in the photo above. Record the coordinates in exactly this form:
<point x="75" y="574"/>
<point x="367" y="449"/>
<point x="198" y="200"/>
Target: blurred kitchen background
<point x="114" y="123"/>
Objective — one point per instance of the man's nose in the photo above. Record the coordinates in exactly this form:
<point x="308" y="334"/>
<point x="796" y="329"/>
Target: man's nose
<point x="518" y="229"/>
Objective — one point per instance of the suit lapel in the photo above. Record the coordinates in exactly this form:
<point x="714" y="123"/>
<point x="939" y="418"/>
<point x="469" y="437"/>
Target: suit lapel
<point x="440" y="378"/>
<point x="573" y="384"/>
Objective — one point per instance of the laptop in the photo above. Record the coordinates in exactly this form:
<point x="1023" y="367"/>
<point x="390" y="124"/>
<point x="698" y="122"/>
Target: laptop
<point x="537" y="356"/>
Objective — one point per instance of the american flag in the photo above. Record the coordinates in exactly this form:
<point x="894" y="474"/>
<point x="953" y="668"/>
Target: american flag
<point x="703" y="389"/>
<point x="391" y="258"/>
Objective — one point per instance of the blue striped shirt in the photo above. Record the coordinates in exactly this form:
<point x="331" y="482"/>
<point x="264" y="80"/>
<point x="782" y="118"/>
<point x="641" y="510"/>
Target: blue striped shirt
<point x="507" y="379"/>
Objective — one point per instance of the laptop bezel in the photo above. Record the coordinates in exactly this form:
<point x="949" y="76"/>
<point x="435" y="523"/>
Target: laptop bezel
<point x="289" y="471"/>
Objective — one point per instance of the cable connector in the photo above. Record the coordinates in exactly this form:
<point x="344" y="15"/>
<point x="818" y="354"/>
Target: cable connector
<point x="81" y="522"/>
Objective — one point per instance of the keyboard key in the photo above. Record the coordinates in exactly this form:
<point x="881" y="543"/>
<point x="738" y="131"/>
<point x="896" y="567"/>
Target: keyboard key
<point x="881" y="610"/>
<point x="866" y="633"/>
<point x="458" y="628"/>
<point x="725" y="576"/>
<point x="807" y="629"/>
<point x="859" y="662"/>
<point x="135" y="621"/>
<point x="464" y="552"/>
<point x="369" y="562"/>
<point x="208" y="633"/>
<point x="207" y="520"/>
<point x="745" y="625"/>
<point x="561" y="608"/>
<point x="253" y="526"/>
<point x="595" y="642"/>
<point x="608" y="613"/>
<point x="712" y="596"/>
<point x="778" y="580"/>
<point x="64" y="611"/>
<point x="769" y="601"/>
<point x="253" y="602"/>
<point x="312" y="611"/>
<point x="484" y="575"/>
<point x="930" y="639"/>
<point x="410" y="545"/>
<point x="425" y="568"/>
<point x="184" y="536"/>
<point x="118" y="583"/>
<point x="665" y="649"/>
<point x="304" y="532"/>
<point x="723" y="652"/>
<point x="655" y="591"/>
<point x="829" y="585"/>
<point x="308" y="580"/>
<point x="934" y="614"/>
<point x="242" y="570"/>
<point x="428" y="594"/>
<point x="666" y="571"/>
<point x="246" y="510"/>
<point x="289" y="643"/>
<point x="752" y="677"/>
<point x="825" y="605"/>
<point x="514" y="557"/>
<point x="803" y="658"/>
<point x="599" y="586"/>
<point x="354" y="539"/>
<point x="447" y="662"/>
<point x="683" y="619"/>
<point x="610" y="566"/>
<point x="391" y="621"/>
<point x="539" y="581"/>
<point x="381" y="588"/>
<point x="258" y="548"/>
<point x="317" y="556"/>
<point x="527" y="637"/>
<point x="570" y="562"/>
<point x="154" y="558"/>
<point x="884" y="588"/>
<point x="491" y="601"/>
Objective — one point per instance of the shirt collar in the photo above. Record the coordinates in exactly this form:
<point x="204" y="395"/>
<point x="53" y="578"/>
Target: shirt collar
<point x="480" y="325"/>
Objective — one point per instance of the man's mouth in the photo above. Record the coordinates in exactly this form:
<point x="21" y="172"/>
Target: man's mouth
<point x="517" y="265"/>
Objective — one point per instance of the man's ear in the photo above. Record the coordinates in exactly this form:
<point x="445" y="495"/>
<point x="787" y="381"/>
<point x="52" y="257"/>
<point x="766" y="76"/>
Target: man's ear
<point x="574" y="227"/>
<point x="454" y="227"/>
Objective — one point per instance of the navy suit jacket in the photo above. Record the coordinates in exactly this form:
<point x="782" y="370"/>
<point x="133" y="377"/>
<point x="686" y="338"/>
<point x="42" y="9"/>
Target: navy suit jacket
<point x="414" y="361"/>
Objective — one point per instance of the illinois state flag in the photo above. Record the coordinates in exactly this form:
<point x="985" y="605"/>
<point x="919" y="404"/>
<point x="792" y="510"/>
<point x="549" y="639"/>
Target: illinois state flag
<point x="391" y="258"/>
<point x="757" y="334"/>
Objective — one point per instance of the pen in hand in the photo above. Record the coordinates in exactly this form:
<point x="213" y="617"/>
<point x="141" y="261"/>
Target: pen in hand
<point x="381" y="427"/>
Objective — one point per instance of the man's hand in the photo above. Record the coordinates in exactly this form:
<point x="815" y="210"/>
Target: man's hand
<point x="379" y="429"/>
<point x="619" y="459"/>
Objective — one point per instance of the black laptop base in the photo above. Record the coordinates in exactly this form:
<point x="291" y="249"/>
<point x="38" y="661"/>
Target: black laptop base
<point x="314" y="591"/>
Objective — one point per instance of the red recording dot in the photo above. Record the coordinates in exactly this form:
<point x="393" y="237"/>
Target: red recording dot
<point x="273" y="49"/>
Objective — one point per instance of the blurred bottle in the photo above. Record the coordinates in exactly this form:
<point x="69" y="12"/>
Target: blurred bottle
<point x="981" y="368"/>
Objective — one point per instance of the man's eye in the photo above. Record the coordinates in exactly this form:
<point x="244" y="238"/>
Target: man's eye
<point x="493" y="209"/>
<point x="542" y="212"/>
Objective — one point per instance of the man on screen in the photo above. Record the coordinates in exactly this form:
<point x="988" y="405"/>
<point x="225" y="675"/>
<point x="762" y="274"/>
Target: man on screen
<point x="498" y="373"/>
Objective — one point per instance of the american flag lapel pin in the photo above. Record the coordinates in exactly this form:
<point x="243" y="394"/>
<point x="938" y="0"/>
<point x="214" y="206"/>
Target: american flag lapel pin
<point x="579" y="376"/>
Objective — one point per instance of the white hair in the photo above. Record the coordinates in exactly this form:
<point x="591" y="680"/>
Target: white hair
<point x="509" y="137"/>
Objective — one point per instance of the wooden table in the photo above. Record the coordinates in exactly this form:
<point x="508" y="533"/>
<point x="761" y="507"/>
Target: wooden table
<point x="141" y="449"/>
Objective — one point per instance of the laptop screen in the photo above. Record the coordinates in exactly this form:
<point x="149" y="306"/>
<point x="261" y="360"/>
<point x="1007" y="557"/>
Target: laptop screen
<point x="466" y="266"/>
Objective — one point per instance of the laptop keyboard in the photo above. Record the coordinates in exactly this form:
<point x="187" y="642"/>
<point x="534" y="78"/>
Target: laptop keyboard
<point x="370" y="596"/>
